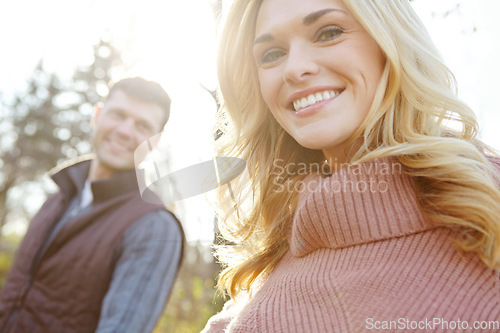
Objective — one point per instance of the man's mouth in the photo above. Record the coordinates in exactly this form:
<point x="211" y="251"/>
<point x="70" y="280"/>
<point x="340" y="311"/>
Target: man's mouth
<point x="120" y="146"/>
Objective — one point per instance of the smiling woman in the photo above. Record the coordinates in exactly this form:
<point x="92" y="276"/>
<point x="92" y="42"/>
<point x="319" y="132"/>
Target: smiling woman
<point x="396" y="212"/>
<point x="300" y="60"/>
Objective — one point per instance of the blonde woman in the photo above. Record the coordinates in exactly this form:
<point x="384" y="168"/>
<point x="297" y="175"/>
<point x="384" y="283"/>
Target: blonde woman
<point x="361" y="208"/>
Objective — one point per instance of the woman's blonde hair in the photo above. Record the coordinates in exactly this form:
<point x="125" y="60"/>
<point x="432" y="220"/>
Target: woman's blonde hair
<point x="409" y="119"/>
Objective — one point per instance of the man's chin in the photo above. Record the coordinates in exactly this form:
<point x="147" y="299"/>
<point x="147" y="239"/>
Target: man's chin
<point x="117" y="166"/>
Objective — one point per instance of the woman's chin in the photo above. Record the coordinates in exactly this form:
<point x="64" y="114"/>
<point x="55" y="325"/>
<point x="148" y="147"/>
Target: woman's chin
<point x="314" y="143"/>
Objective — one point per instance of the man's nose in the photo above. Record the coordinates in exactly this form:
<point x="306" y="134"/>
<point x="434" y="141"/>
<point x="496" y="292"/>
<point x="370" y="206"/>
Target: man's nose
<point x="126" y="127"/>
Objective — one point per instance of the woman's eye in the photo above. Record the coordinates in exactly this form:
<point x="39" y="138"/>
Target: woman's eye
<point x="329" y="33"/>
<point x="271" y="56"/>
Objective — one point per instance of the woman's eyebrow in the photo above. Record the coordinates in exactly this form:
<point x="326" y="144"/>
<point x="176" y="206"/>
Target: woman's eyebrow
<point x="313" y="17"/>
<point x="263" y="38"/>
<point x="308" y="20"/>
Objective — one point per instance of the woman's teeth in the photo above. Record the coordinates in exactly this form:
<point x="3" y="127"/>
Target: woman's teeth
<point x="314" y="98"/>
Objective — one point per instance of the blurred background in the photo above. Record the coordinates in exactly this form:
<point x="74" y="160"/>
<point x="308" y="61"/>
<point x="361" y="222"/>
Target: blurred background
<point x="58" y="57"/>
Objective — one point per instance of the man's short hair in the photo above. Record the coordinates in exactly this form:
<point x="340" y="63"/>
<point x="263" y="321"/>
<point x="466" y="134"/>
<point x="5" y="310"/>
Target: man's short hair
<point x="145" y="91"/>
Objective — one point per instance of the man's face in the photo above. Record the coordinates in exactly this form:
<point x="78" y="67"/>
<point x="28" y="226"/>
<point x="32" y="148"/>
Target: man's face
<point x="121" y="126"/>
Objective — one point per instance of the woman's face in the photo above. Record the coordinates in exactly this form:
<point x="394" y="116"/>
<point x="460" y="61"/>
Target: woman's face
<point x="318" y="70"/>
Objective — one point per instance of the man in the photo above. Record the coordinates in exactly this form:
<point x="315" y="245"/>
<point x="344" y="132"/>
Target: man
<point x="96" y="257"/>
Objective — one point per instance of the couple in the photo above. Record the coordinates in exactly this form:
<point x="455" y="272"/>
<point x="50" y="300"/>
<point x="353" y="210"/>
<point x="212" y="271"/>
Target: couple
<point x="357" y="82"/>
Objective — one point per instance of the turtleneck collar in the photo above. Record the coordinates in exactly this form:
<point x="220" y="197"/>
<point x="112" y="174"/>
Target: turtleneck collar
<point x="368" y="202"/>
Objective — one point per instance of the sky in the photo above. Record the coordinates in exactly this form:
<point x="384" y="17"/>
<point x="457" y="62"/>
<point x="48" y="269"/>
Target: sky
<point x="173" y="42"/>
<point x="468" y="38"/>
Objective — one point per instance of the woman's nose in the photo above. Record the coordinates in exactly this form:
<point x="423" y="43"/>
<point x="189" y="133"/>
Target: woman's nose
<point x="300" y="64"/>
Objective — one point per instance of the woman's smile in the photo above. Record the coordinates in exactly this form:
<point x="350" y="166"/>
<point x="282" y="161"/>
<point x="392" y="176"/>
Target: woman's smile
<point x="318" y="70"/>
<point x="314" y="98"/>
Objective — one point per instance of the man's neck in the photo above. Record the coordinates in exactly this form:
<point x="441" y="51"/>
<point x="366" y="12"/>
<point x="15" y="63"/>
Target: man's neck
<point x="99" y="172"/>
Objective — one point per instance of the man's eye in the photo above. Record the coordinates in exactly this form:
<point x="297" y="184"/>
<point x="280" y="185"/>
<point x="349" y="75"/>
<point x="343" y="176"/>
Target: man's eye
<point x="329" y="33"/>
<point x="271" y="56"/>
<point x="117" y="114"/>
<point x="143" y="127"/>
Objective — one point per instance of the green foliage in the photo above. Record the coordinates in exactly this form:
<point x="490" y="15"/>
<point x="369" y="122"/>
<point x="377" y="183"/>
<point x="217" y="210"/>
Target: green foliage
<point x="6" y="258"/>
<point x="10" y="243"/>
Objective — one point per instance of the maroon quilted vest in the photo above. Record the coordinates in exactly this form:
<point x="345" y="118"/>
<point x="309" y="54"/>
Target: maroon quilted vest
<point x="61" y="289"/>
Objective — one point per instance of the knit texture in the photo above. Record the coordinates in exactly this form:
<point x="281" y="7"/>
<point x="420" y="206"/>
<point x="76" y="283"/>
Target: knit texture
<point x="362" y="256"/>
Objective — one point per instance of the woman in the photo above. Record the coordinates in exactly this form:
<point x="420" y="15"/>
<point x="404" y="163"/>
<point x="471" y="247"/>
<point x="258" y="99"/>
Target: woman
<point x="361" y="208"/>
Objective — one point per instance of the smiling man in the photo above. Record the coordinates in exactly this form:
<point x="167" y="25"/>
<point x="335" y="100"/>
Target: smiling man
<point x="96" y="257"/>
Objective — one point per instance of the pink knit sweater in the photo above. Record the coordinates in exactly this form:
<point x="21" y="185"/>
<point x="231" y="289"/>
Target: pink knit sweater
<point x="363" y="258"/>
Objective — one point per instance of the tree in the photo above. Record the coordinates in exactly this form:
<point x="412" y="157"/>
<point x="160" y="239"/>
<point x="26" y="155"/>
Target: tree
<point x="49" y="122"/>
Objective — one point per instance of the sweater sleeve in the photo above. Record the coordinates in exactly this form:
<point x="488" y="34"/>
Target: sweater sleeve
<point x="219" y="322"/>
<point x="144" y="274"/>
